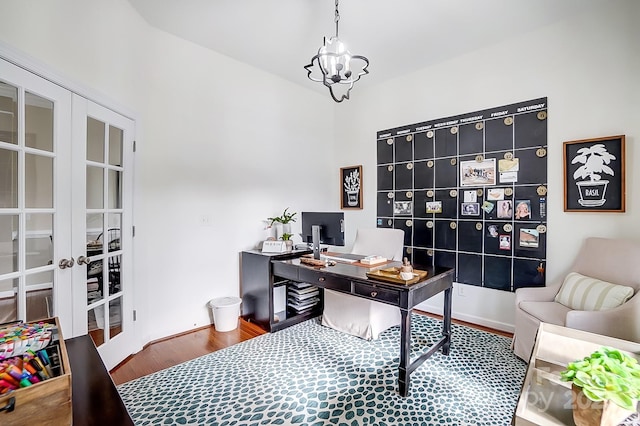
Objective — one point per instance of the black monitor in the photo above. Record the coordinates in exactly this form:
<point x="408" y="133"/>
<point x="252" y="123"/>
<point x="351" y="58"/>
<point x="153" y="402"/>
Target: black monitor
<point x="322" y="228"/>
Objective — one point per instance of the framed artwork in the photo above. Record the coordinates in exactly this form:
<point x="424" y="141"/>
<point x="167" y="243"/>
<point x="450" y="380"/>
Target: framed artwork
<point x="594" y="175"/>
<point x="351" y="187"/>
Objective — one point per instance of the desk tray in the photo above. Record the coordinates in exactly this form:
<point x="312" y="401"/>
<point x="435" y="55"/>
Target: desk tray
<point x="392" y="275"/>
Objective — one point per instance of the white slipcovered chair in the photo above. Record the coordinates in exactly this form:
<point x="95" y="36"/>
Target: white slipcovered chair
<point x="358" y="316"/>
<point x="614" y="261"/>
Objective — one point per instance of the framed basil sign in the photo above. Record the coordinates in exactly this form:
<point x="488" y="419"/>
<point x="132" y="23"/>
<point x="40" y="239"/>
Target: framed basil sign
<point x="351" y="187"/>
<point x="594" y="175"/>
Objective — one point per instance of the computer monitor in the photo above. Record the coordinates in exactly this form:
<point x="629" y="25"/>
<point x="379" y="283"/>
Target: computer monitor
<point x="322" y="228"/>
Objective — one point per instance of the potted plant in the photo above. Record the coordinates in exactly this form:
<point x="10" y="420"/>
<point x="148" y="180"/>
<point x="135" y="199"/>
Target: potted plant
<point x="286" y="237"/>
<point x="605" y="387"/>
<point x="594" y="160"/>
<point x="284" y="222"/>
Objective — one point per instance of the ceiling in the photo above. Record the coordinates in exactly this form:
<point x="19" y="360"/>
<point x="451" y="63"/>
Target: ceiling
<point x="397" y="36"/>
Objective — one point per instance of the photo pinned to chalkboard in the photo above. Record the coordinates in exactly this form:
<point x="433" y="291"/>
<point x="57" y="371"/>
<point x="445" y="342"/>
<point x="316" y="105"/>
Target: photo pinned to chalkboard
<point x="495" y="194"/>
<point x="505" y="209"/>
<point x="434" y="206"/>
<point x="473" y="173"/>
<point x="505" y="242"/>
<point x="470" y="209"/>
<point x="402" y="207"/>
<point x="529" y="238"/>
<point x="523" y="209"/>
<point x="488" y="206"/>
<point x="492" y="231"/>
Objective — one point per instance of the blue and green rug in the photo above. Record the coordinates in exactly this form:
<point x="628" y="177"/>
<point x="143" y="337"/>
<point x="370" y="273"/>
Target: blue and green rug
<point x="313" y="375"/>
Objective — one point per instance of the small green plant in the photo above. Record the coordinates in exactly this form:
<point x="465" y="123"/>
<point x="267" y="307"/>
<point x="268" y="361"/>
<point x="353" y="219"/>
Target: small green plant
<point x="284" y="218"/>
<point x="606" y="374"/>
<point x="286" y="236"/>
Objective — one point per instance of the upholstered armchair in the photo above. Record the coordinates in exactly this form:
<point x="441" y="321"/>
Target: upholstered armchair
<point x="608" y="310"/>
<point x="358" y="316"/>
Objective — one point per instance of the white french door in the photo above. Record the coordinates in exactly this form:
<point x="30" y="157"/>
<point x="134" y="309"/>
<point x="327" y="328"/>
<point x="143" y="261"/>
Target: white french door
<point x="102" y="236"/>
<point x="66" y="173"/>
<point x="35" y="208"/>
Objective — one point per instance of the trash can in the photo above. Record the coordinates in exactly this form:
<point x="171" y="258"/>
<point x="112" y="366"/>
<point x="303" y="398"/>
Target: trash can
<point x="226" y="311"/>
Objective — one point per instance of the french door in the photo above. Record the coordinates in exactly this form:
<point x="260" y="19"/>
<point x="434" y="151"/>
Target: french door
<point x="65" y="212"/>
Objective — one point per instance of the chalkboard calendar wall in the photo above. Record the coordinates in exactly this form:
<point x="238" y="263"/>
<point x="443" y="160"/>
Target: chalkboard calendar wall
<point x="469" y="191"/>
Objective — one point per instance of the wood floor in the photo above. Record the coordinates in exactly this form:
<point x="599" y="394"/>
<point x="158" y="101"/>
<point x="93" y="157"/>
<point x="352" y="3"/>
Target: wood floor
<point x="177" y="349"/>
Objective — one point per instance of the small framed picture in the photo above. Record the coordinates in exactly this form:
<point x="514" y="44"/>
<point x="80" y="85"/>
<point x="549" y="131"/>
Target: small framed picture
<point x="351" y="187"/>
<point x="529" y="238"/>
<point x="470" y="209"/>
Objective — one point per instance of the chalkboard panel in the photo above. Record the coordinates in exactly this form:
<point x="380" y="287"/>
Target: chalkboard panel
<point x="469" y="221"/>
<point x="385" y="178"/>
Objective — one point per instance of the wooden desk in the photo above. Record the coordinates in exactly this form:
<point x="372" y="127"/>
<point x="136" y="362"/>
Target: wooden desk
<point x="352" y="279"/>
<point x="95" y="399"/>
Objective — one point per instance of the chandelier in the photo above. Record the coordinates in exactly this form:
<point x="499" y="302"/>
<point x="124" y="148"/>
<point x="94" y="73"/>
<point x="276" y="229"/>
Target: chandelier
<point x="336" y="67"/>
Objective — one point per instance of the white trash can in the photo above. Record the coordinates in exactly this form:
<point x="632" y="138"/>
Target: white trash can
<point x="226" y="311"/>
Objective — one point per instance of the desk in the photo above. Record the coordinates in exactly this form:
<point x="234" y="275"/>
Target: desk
<point x="352" y="279"/>
<point x="95" y="399"/>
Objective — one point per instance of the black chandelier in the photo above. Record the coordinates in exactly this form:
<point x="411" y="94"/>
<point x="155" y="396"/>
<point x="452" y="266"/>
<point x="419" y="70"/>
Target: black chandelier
<point x="336" y="67"/>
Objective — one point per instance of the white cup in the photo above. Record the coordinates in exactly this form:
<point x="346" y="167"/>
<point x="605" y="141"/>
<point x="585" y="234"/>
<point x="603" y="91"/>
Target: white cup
<point x="406" y="275"/>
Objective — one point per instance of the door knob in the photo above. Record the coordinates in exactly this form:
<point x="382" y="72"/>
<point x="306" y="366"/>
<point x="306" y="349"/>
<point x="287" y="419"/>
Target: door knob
<point x="84" y="260"/>
<point x="66" y="263"/>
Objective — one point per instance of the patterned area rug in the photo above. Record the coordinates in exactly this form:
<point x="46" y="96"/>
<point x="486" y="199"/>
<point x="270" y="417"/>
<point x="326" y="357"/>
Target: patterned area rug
<point x="308" y="374"/>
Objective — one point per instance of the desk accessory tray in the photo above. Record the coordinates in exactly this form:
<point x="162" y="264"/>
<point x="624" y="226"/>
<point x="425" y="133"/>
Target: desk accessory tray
<point x="392" y="275"/>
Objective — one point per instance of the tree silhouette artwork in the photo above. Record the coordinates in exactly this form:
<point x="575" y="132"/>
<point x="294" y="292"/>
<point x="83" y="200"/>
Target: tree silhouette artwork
<point x="594" y="160"/>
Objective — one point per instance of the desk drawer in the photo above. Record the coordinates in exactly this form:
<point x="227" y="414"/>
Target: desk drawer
<point x="285" y="270"/>
<point x="324" y="280"/>
<point x="379" y="293"/>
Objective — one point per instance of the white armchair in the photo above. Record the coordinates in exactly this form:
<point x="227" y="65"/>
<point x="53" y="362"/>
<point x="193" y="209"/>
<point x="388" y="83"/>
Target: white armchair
<point x="357" y="316"/>
<point x="615" y="261"/>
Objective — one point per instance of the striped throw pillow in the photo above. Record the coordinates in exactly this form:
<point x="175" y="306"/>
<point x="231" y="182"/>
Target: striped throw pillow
<point x="584" y="293"/>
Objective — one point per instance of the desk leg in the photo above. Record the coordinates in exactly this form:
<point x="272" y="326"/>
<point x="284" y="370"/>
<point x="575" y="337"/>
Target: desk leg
<point x="405" y="353"/>
<point x="446" y="323"/>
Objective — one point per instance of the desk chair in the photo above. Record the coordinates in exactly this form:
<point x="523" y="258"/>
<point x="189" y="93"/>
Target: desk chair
<point x="585" y="299"/>
<point x="357" y="316"/>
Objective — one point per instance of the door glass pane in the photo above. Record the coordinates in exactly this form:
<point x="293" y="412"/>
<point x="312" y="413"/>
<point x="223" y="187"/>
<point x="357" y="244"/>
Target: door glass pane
<point x="40" y="296"/>
<point x="38" y="120"/>
<point x="39" y="244"/>
<point x="115" y="146"/>
<point x="9" y="239"/>
<point x="95" y="187"/>
<point x="38" y="181"/>
<point x="95" y="280"/>
<point x="114" y="274"/>
<point x="115" y="189"/>
<point x="8" y="113"/>
<point x="95" y="324"/>
<point x="8" y="300"/>
<point x="8" y="179"/>
<point x="94" y="234"/>
<point x="95" y="140"/>
<point x="115" y="317"/>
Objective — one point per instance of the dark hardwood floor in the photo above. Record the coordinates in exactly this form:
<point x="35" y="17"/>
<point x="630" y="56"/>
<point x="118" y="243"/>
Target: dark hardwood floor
<point x="174" y="350"/>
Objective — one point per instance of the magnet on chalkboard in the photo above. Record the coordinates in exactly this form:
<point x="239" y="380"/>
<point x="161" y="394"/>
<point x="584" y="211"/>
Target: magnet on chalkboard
<point x="390" y="168"/>
<point x="479" y="226"/>
<point x="409" y="194"/>
<point x="541" y="190"/>
<point x="430" y="193"/>
<point x="430" y="134"/>
<point x="479" y="158"/>
<point x="508" y="192"/>
<point x="541" y="152"/>
<point x="453" y="193"/>
<point x="507" y="227"/>
<point x="409" y="138"/>
<point x="508" y="121"/>
<point x="542" y="115"/>
<point x="409" y="223"/>
<point x="389" y="141"/>
<point x="409" y="166"/>
<point x="454" y="130"/>
<point x="389" y="194"/>
<point x="508" y="156"/>
<point x="453" y="161"/>
<point x="453" y="225"/>
<point x="541" y="229"/>
<point x="430" y="224"/>
<point x="430" y="163"/>
<point x="479" y="126"/>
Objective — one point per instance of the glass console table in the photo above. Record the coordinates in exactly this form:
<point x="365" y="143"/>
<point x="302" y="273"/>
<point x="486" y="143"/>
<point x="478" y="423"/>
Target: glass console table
<point x="545" y="399"/>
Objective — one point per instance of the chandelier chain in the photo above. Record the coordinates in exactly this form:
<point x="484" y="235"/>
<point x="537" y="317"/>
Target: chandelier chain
<point x="337" y="18"/>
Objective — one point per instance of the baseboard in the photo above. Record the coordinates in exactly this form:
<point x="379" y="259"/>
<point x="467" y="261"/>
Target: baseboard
<point x="496" y="325"/>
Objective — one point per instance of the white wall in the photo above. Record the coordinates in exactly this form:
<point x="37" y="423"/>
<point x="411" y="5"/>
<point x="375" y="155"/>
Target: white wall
<point x="587" y="66"/>
<point x="221" y="147"/>
<point x="226" y="144"/>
